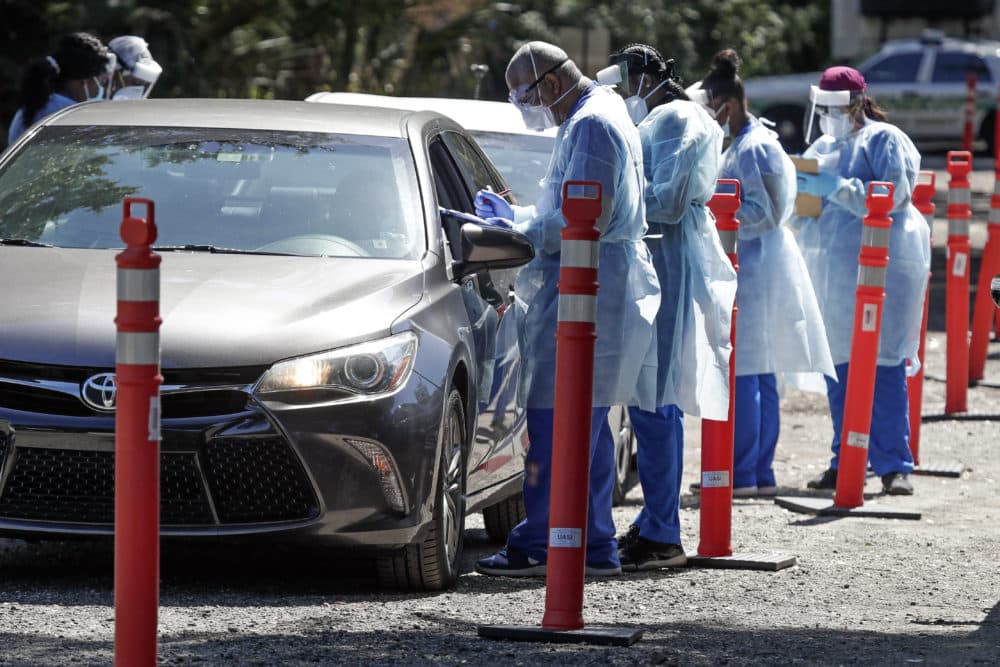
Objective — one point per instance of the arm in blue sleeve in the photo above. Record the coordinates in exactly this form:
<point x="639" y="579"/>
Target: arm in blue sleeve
<point x="767" y="189"/>
<point x="891" y="161"/>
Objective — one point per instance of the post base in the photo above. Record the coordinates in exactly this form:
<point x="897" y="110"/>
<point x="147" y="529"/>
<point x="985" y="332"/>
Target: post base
<point x="940" y="469"/>
<point x="603" y="635"/>
<point x="770" y="562"/>
<point x="826" y="507"/>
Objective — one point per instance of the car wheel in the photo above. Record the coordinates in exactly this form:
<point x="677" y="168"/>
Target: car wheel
<point x="789" y="123"/>
<point x="432" y="564"/>
<point x="501" y="517"/>
<point x="625" y="469"/>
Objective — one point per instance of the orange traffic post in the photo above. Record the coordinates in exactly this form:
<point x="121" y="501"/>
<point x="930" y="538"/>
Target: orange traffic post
<point x="873" y="262"/>
<point x="984" y="314"/>
<point x="959" y="164"/>
<point x="923" y="201"/>
<point x="715" y="547"/>
<point x="137" y="440"/>
<point x="716" y="513"/>
<point x="968" y="129"/>
<point x="576" y="335"/>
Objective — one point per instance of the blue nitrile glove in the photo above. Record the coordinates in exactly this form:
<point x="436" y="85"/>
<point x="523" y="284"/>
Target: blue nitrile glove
<point x="820" y="185"/>
<point x="476" y="220"/>
<point x="491" y="205"/>
<point x="498" y="222"/>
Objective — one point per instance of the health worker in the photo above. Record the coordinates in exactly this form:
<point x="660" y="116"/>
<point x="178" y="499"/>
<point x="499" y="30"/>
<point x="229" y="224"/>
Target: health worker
<point x="780" y="336"/>
<point x="681" y="144"/>
<point x="596" y="141"/>
<point x="857" y="147"/>
<point x="78" y="70"/>
<point x="136" y="72"/>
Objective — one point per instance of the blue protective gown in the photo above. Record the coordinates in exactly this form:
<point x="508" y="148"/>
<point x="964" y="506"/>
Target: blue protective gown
<point x="680" y="153"/>
<point x="779" y="329"/>
<point x="597" y="143"/>
<point x="831" y="243"/>
<point x="18" y="124"/>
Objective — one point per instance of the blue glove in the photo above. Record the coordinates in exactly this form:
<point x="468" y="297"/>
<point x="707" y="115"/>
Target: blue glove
<point x="820" y="185"/>
<point x="491" y="205"/>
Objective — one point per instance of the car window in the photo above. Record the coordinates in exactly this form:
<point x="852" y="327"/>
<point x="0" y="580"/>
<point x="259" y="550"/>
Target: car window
<point x="472" y="163"/>
<point x="246" y="190"/>
<point x="521" y="159"/>
<point x="898" y="68"/>
<point x="954" y="66"/>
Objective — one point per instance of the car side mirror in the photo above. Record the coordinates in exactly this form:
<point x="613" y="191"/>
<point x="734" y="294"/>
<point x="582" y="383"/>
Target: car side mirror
<point x="486" y="247"/>
<point x="995" y="289"/>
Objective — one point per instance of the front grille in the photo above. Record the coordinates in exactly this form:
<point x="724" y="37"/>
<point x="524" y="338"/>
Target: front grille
<point x="77" y="486"/>
<point x="42" y="401"/>
<point x="196" y="404"/>
<point x="251" y="480"/>
<point x="257" y="479"/>
<point x="5" y="439"/>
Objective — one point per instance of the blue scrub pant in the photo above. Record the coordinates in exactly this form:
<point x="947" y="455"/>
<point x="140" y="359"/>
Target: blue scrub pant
<point x="757" y="422"/>
<point x="660" y="460"/>
<point x="531" y="535"/>
<point x="889" y="442"/>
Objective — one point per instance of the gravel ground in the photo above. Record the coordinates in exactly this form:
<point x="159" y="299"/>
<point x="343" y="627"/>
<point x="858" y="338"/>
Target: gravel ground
<point x="864" y="591"/>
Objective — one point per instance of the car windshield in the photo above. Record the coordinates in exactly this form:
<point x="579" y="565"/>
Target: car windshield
<point x="217" y="189"/>
<point x="521" y="159"/>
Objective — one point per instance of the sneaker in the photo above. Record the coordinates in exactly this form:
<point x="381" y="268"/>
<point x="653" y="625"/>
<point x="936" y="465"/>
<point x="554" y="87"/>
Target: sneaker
<point x="646" y="554"/>
<point x="510" y="563"/>
<point x="897" y="484"/>
<point x="744" y="492"/>
<point x="828" y="480"/>
<point x="629" y="537"/>
<point x="609" y="568"/>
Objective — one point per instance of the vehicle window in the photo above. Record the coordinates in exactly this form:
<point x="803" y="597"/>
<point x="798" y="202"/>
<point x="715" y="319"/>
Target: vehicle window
<point x="310" y="194"/>
<point x="898" y="68"/>
<point x="521" y="159"/>
<point x="471" y="161"/>
<point x="954" y="66"/>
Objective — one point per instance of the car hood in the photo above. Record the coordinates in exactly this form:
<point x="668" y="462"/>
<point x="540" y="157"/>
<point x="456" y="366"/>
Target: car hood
<point x="59" y="305"/>
<point x="788" y="87"/>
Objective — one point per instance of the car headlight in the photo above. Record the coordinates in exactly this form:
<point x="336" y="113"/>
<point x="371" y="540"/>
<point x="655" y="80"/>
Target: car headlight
<point x="366" y="370"/>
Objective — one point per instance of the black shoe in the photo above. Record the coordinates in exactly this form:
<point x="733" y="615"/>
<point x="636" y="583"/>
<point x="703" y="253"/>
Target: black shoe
<point x="646" y="554"/>
<point x="828" y="480"/>
<point x="897" y="484"/>
<point x="629" y="538"/>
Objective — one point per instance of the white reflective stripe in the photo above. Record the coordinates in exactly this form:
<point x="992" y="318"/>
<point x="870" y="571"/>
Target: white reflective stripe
<point x="871" y="276"/>
<point x="994" y="215"/>
<point x="579" y="254"/>
<point x="876" y="237"/>
<point x="959" y="196"/>
<point x="138" y="284"/>
<point x="728" y="239"/>
<point x="958" y="227"/>
<point x="577" y="308"/>
<point x="137" y="348"/>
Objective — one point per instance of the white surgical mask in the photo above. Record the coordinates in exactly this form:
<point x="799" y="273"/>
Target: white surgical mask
<point x="100" y="91"/>
<point x="836" y="123"/>
<point x="637" y="106"/>
<point x="537" y="117"/>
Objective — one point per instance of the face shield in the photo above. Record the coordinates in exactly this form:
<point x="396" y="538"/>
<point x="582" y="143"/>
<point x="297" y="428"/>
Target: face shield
<point x="699" y="95"/>
<point x="137" y="71"/>
<point x="829" y="111"/>
<point x="615" y="75"/>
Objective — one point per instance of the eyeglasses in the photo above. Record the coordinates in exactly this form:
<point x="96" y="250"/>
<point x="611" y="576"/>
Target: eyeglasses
<point x="519" y="98"/>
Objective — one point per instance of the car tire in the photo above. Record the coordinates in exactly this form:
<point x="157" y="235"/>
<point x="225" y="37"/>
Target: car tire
<point x="789" y="123"/>
<point x="626" y="474"/>
<point x="433" y="563"/>
<point x="500" y="518"/>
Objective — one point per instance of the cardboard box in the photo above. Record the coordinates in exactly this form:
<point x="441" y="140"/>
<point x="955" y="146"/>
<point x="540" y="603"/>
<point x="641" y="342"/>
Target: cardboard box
<point x="806" y="205"/>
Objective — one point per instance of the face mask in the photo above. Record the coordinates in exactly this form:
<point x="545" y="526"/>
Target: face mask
<point x="726" y="132"/>
<point x="100" y="91"/>
<point x="836" y="124"/>
<point x="637" y="106"/>
<point x="538" y="117"/>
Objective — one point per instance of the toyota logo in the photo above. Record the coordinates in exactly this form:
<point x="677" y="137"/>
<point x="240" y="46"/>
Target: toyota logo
<point x="99" y="392"/>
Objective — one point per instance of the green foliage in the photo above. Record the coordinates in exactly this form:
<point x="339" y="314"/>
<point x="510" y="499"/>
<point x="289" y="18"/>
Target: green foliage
<point x="291" y="48"/>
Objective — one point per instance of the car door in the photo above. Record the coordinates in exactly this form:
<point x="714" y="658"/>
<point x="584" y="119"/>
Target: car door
<point x="894" y="81"/>
<point x="493" y="323"/>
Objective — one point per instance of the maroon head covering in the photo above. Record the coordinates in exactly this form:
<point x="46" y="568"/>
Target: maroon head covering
<point x="842" y="78"/>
